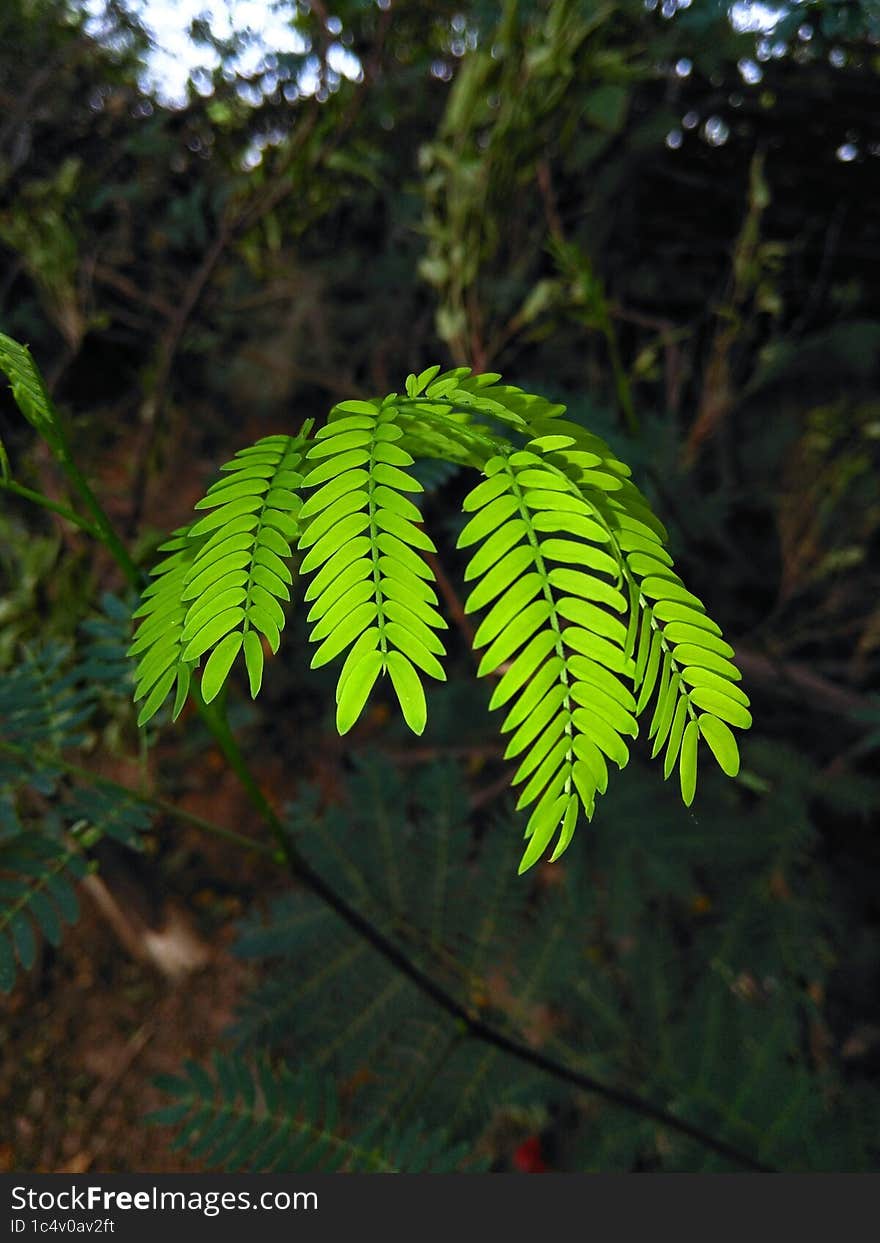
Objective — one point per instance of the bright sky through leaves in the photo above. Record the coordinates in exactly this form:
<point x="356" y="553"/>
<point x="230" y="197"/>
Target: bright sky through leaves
<point x="175" y="56"/>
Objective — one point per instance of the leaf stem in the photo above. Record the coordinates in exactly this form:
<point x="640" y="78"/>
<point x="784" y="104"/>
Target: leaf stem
<point x="37" y="498"/>
<point x="147" y="800"/>
<point x="104" y="528"/>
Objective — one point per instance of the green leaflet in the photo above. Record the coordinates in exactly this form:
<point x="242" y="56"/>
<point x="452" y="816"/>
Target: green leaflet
<point x="688" y="762"/>
<point x="576" y="583"/>
<point x="345" y="632"/>
<point x="722" y="706"/>
<point x="721" y="742"/>
<point x="219" y="663"/>
<point x="409" y="691"/>
<point x="500" y="542"/>
<point x="501" y="576"/>
<point x="253" y="656"/>
<point x="356" y="690"/>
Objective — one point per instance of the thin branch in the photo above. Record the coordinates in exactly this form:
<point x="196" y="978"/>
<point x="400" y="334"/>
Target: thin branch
<point x="303" y="872"/>
<point x="105" y="530"/>
<point x="481" y="1031"/>
<point x="37" y="498"/>
<point x="117" y="280"/>
<point x="147" y="800"/>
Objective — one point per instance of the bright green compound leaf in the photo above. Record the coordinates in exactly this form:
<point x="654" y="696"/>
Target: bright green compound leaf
<point x="584" y="624"/>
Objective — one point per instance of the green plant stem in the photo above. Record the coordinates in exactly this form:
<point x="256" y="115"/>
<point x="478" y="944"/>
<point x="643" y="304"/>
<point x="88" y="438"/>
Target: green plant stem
<point x="105" y="531"/>
<point x="37" y="498"/>
<point x="622" y="385"/>
<point x="147" y="800"/>
<point x="214" y="716"/>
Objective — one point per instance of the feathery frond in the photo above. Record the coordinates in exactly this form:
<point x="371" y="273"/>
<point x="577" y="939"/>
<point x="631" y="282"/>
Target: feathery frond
<point x="47" y="823"/>
<point x="682" y="664"/>
<point x="221" y="586"/>
<point x="372" y="590"/>
<point x="269" y="1118"/>
<point x="103" y="657"/>
<point x="714" y="1033"/>
<point x="37" y="878"/>
<point x="44" y="701"/>
<point x="403" y="854"/>
<point x="586" y="624"/>
<point x="554" y="600"/>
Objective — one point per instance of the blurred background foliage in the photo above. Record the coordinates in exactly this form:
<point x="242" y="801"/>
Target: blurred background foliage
<point x="660" y="212"/>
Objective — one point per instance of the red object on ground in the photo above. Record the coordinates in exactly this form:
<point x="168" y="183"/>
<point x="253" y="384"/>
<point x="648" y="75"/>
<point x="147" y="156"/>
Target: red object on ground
<point x="528" y="1159"/>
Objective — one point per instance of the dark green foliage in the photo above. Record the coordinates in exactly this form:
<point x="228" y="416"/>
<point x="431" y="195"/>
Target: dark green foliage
<point x="663" y="222"/>
<point x="43" y="701"/>
<point x="48" y="823"/>
<point x="103" y="657"/>
<point x="267" y="1118"/>
<point x="111" y="812"/>
<point x="38" y="875"/>
<point x="707" y="1010"/>
<point x="403" y="854"/>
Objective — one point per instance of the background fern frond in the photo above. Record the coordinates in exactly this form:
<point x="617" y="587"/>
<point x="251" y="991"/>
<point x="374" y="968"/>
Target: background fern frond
<point x="588" y="964"/>
<point x="48" y="825"/>
<point x="37" y="878"/>
<point x="47" y="705"/>
<point x="110" y="813"/>
<point x="44" y="701"/>
<point x="403" y="853"/>
<point x="269" y="1118"/>
<point x="103" y="655"/>
<point x="371" y="595"/>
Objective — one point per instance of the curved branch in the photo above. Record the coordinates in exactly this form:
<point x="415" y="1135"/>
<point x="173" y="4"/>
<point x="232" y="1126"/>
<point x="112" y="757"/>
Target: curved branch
<point x="302" y="871"/>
